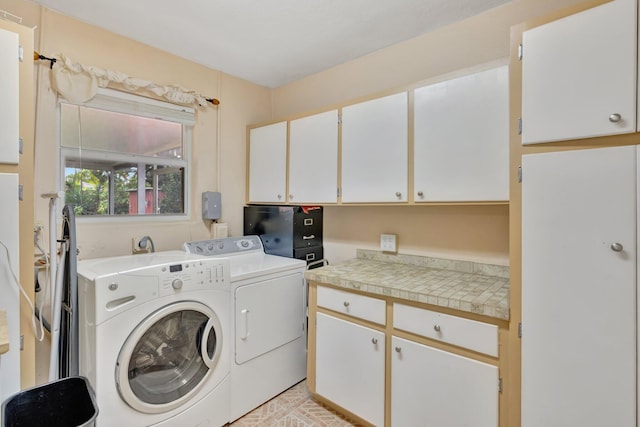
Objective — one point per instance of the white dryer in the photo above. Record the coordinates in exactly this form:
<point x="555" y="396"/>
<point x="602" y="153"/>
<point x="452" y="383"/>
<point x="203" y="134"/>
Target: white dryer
<point x="268" y="320"/>
<point x="153" y="335"/>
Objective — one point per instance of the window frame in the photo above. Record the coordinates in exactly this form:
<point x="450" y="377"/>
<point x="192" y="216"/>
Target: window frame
<point x="136" y="105"/>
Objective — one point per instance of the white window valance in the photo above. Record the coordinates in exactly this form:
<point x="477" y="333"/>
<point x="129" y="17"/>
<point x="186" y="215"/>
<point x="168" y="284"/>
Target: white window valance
<point x="79" y="83"/>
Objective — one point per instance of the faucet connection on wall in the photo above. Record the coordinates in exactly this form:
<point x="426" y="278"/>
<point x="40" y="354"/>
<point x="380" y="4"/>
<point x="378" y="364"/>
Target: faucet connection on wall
<point x="388" y="243"/>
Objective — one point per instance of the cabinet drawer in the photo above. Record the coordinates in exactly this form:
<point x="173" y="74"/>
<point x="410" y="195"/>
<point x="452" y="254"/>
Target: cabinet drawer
<point x="363" y="307"/>
<point x="471" y="334"/>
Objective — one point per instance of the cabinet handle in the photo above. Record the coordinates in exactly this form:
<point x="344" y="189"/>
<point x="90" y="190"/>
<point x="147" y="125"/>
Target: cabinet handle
<point x="398" y="349"/>
<point x="617" y="247"/>
<point x="398" y="194"/>
<point x="346" y="303"/>
<point x="615" y="118"/>
<point x="279" y="196"/>
<point x="309" y="237"/>
<point x="436" y="328"/>
<point x="374" y="341"/>
<point x="291" y="196"/>
<point x="420" y="194"/>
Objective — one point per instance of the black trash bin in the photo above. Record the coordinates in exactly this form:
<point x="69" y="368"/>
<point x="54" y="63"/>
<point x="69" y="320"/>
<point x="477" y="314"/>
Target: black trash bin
<point x="68" y="402"/>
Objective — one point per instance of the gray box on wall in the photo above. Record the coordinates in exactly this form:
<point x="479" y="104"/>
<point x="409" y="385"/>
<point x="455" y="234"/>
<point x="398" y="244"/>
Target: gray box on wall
<point x="211" y="205"/>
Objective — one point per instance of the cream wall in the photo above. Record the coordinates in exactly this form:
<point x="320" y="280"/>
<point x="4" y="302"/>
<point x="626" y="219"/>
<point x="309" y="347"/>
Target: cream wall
<point x="460" y="232"/>
<point x="218" y="150"/>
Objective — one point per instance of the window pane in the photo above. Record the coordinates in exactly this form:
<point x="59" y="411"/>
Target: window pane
<point x="90" y="128"/>
<point x="123" y="163"/>
<point x="87" y="190"/>
<point x="170" y="184"/>
<point x="125" y="188"/>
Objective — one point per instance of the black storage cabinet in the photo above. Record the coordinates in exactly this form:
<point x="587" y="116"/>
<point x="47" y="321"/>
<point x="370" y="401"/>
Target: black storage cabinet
<point x="289" y="231"/>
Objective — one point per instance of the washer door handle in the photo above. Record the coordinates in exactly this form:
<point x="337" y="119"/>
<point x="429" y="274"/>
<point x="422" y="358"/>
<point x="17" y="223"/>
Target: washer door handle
<point x="209" y="360"/>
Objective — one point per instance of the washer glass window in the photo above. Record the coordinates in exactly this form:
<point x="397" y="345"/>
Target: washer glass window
<point x="168" y="358"/>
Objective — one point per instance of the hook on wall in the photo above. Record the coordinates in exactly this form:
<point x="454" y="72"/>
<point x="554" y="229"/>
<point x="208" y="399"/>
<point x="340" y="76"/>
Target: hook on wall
<point x="38" y="57"/>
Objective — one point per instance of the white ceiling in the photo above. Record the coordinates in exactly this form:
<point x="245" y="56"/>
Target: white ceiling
<point x="270" y="42"/>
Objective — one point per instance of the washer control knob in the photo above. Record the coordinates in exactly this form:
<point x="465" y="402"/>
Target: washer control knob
<point x="176" y="284"/>
<point x="244" y="243"/>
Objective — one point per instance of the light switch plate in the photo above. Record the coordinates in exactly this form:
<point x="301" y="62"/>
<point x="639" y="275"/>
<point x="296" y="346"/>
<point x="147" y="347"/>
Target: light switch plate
<point x="388" y="243"/>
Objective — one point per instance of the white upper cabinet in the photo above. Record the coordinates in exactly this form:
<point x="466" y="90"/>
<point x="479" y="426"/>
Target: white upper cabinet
<point x="461" y="138"/>
<point x="313" y="159"/>
<point x="9" y="105"/>
<point x="268" y="163"/>
<point x="375" y="150"/>
<point x="579" y="75"/>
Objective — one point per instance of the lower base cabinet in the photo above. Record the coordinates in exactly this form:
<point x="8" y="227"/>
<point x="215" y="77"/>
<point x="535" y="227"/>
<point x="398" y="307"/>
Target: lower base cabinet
<point x="431" y="387"/>
<point x="393" y="364"/>
<point x="350" y="367"/>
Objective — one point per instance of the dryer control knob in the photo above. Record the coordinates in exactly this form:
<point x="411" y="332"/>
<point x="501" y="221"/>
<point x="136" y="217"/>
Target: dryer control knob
<point x="176" y="284"/>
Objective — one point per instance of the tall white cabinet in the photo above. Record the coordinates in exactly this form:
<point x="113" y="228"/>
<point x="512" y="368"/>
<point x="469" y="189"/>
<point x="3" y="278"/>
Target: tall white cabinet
<point x="9" y="209"/>
<point x="579" y="304"/>
<point x="9" y="100"/>
<point x="579" y="75"/>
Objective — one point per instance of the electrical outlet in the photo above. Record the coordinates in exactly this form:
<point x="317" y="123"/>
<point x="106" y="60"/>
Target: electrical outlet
<point x="388" y="243"/>
<point x="135" y="246"/>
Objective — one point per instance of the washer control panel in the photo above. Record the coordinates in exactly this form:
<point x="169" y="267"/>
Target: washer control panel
<point x="226" y="246"/>
<point x="194" y="274"/>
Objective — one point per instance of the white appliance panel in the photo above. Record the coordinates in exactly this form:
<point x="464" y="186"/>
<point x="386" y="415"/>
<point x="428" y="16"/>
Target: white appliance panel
<point x="268" y="314"/>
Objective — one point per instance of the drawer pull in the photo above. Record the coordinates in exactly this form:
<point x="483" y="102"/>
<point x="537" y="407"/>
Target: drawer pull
<point x="436" y="328"/>
<point x="374" y="341"/>
<point x="398" y="349"/>
<point x="311" y="236"/>
<point x="346" y="303"/>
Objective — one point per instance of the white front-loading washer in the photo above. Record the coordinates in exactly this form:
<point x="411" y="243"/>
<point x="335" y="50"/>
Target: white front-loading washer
<point x="153" y="338"/>
<point x="268" y="320"/>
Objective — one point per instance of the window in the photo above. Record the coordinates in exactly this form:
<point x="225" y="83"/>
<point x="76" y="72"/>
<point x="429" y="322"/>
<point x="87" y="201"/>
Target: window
<point x="125" y="155"/>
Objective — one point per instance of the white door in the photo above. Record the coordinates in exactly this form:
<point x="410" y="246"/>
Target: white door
<point x="461" y="138"/>
<point x="9" y="296"/>
<point x="268" y="163"/>
<point x="579" y="288"/>
<point x="313" y="159"/>
<point x="431" y="387"/>
<point x="350" y="367"/>
<point x="579" y="75"/>
<point x="375" y="150"/>
<point x="9" y="105"/>
<point x="268" y="314"/>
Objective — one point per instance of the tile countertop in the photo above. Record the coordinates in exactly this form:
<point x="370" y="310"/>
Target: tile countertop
<point x="459" y="285"/>
<point x="4" y="332"/>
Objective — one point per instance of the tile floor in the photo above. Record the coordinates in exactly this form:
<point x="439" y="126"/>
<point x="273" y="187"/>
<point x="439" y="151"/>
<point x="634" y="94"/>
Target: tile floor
<point x="293" y="408"/>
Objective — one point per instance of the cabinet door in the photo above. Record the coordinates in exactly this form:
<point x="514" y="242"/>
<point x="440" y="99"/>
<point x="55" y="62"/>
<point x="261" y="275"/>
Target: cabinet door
<point x="313" y="159"/>
<point x="375" y="150"/>
<point x="9" y="296"/>
<point x="579" y="75"/>
<point x="461" y="138"/>
<point x="268" y="163"/>
<point x="578" y="288"/>
<point x="431" y="387"/>
<point x="9" y="97"/>
<point x="350" y="367"/>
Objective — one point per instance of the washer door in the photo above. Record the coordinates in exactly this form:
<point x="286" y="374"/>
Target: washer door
<point x="168" y="357"/>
